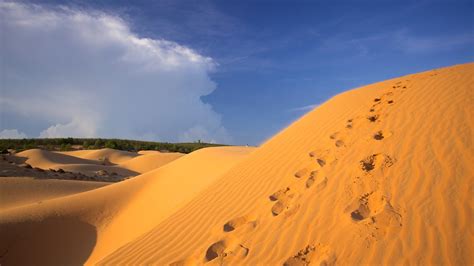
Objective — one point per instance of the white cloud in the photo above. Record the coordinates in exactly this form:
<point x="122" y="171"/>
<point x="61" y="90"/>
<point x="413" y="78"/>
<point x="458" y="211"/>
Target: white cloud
<point x="305" y="108"/>
<point x="11" y="134"/>
<point x="85" y="73"/>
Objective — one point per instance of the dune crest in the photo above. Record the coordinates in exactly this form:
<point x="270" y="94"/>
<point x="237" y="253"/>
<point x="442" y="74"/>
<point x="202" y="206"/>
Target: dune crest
<point x="149" y="161"/>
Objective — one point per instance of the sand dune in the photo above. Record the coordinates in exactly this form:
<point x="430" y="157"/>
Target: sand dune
<point x="137" y="204"/>
<point x="47" y="159"/>
<point x="89" y="162"/>
<point x="379" y="175"/>
<point x="149" y="161"/>
<point x="107" y="155"/>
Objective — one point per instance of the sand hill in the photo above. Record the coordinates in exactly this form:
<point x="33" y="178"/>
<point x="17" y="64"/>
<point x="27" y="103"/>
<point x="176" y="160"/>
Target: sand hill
<point x="149" y="160"/>
<point x="89" y="162"/>
<point x="379" y="175"/>
<point x="109" y="155"/>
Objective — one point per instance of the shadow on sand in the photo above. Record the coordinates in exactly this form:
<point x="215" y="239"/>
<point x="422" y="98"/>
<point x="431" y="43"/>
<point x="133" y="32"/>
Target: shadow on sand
<point x="53" y="241"/>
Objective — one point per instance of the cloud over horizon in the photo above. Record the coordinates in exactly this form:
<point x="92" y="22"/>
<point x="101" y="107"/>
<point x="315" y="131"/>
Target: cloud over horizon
<point x="86" y="74"/>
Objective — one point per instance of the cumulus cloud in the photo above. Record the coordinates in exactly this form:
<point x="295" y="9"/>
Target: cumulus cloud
<point x="11" y="134"/>
<point x="85" y="73"/>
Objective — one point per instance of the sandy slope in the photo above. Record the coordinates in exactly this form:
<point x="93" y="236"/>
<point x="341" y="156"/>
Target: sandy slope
<point x="109" y="217"/>
<point x="343" y="184"/>
<point x="19" y="191"/>
<point x="149" y="161"/>
<point x="110" y="155"/>
<point x="378" y="175"/>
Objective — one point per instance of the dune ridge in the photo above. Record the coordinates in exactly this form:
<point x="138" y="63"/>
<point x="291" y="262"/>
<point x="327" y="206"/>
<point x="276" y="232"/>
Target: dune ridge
<point x="381" y="174"/>
<point x="149" y="161"/>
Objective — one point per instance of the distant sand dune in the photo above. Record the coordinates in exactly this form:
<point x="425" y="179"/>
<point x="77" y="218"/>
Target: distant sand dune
<point x="149" y="161"/>
<point x="47" y="159"/>
<point x="89" y="162"/>
<point x="379" y="175"/>
<point x="111" y="155"/>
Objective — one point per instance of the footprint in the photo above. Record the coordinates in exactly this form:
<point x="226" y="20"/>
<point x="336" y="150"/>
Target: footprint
<point x="311" y="179"/>
<point x="390" y="101"/>
<point x="312" y="255"/>
<point x="283" y="201"/>
<point x="303" y="257"/>
<point x="379" y="135"/>
<point x="369" y="204"/>
<point x="279" y="194"/>
<point x="368" y="164"/>
<point x="235" y="223"/>
<point x="226" y="249"/>
<point x="323" y="157"/>
<point x="278" y="208"/>
<point x="377" y="100"/>
<point x="339" y="141"/>
<point x="216" y="250"/>
<point x="349" y="124"/>
<point x="373" y="118"/>
<point x="321" y="185"/>
<point x="282" y="205"/>
<point x="376" y="161"/>
<point x="377" y="207"/>
<point x="334" y="135"/>
<point x="301" y="173"/>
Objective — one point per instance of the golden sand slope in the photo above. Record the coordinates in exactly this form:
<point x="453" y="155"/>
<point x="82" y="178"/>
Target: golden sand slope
<point x="149" y="161"/>
<point x="111" y="155"/>
<point x="19" y="191"/>
<point x="380" y="175"/>
<point x="90" y="225"/>
<point x="48" y="159"/>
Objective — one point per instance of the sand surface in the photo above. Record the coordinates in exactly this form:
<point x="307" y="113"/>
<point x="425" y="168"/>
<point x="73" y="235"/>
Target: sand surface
<point x="379" y="175"/>
<point x="20" y="191"/>
<point x="149" y="160"/>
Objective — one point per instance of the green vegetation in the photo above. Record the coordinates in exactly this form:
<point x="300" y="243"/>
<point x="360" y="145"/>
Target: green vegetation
<point x="67" y="144"/>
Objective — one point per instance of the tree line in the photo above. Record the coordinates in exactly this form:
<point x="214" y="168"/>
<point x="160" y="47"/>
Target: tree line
<point x="68" y="144"/>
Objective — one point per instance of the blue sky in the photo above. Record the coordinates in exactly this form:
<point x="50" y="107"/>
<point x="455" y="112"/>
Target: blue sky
<point x="271" y="60"/>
